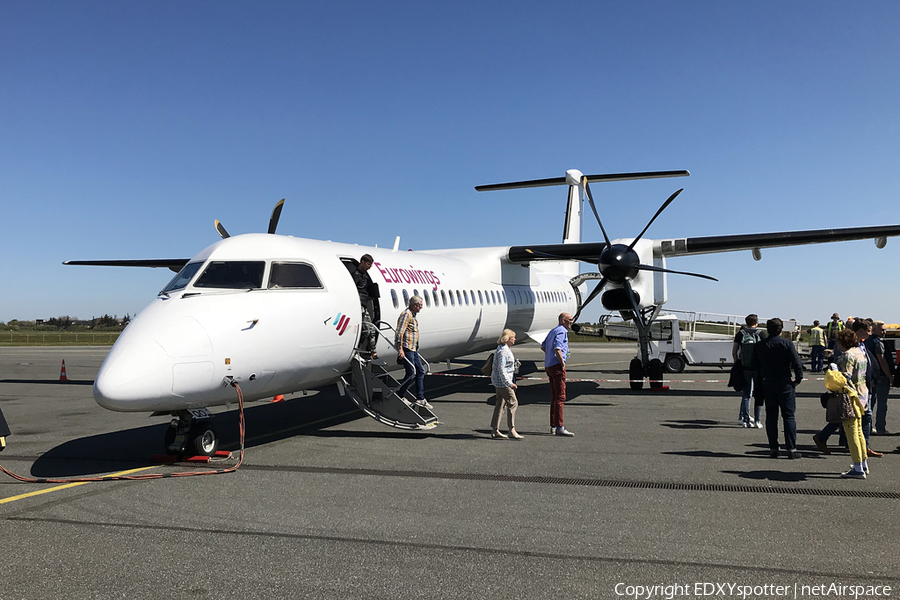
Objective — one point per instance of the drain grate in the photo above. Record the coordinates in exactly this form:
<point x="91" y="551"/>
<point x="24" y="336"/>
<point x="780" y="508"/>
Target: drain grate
<point x="615" y="483"/>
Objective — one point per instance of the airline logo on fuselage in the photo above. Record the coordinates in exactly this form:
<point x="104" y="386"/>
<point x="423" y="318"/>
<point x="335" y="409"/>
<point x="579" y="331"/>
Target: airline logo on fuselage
<point x="411" y="275"/>
<point x="340" y="323"/>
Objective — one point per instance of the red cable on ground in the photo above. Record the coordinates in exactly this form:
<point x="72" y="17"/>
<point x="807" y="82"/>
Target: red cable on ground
<point x="241" y="428"/>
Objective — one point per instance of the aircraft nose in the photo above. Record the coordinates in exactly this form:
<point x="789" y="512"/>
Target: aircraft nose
<point x="158" y="361"/>
<point x="132" y="376"/>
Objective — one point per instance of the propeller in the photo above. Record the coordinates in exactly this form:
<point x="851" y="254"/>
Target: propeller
<point x="273" y="221"/>
<point x="620" y="263"/>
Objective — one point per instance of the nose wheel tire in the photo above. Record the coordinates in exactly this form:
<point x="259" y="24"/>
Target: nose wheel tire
<point x="204" y="441"/>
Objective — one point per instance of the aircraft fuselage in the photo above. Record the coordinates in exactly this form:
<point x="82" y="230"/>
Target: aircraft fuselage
<point x="281" y="314"/>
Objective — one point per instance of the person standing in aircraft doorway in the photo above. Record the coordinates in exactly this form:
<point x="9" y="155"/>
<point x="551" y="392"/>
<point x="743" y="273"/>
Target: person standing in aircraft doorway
<point x="406" y="338"/>
<point x="364" y="284"/>
<point x="556" y="352"/>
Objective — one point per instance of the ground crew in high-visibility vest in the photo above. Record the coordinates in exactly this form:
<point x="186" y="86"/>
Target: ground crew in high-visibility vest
<point x="817" y="347"/>
<point x="834" y="326"/>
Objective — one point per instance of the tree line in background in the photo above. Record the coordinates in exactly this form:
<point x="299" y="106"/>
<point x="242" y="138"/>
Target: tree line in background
<point x="67" y="323"/>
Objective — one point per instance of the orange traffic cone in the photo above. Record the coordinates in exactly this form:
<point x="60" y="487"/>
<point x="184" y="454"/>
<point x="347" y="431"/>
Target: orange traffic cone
<point x="62" y="372"/>
<point x="278" y="398"/>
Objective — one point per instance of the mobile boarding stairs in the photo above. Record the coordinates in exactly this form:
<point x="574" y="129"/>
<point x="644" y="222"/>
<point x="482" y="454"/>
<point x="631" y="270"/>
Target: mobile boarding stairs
<point x="375" y="391"/>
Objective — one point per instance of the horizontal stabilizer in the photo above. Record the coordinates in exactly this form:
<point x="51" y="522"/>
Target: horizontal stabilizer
<point x="174" y="264"/>
<point x="591" y="179"/>
<point x="751" y="241"/>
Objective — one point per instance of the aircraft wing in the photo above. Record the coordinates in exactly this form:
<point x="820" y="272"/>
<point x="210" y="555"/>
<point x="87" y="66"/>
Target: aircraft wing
<point x="590" y="252"/>
<point x="751" y="241"/>
<point x="173" y="264"/>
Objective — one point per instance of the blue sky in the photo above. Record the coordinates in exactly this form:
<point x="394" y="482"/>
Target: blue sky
<point x="129" y="127"/>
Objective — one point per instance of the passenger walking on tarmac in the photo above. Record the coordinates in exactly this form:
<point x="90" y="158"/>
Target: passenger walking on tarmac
<point x="816" y="347"/>
<point x="863" y="329"/>
<point x="834" y="325"/>
<point x="406" y="338"/>
<point x="745" y="341"/>
<point x="503" y="378"/>
<point x="368" y="338"/>
<point x="852" y="366"/>
<point x="774" y="358"/>
<point x="556" y="352"/>
<point x="884" y="372"/>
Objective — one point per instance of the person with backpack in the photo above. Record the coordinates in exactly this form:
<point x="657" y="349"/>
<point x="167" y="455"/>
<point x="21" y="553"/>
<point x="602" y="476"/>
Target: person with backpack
<point x="745" y="341"/>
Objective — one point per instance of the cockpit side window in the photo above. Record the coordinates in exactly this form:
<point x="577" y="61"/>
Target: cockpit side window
<point x="180" y="281"/>
<point x="232" y="275"/>
<point x="293" y="275"/>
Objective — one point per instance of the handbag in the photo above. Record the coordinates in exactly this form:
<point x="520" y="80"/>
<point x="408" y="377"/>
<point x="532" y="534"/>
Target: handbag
<point x="488" y="365"/>
<point x="839" y="408"/>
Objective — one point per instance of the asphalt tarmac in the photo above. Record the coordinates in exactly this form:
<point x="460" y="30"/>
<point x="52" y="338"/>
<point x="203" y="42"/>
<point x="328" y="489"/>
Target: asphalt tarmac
<point x="656" y="489"/>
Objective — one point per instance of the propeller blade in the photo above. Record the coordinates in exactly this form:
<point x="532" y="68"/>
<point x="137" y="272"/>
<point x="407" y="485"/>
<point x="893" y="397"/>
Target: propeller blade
<point x="276" y="214"/>
<point x="587" y="188"/>
<point x="661" y="270"/>
<point x="538" y="253"/>
<point x="634" y="304"/>
<point x="594" y="293"/>
<point x="221" y="230"/>
<point x="661" y="208"/>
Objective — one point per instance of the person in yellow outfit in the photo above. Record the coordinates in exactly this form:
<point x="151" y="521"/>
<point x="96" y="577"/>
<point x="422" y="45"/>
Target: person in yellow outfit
<point x="846" y="381"/>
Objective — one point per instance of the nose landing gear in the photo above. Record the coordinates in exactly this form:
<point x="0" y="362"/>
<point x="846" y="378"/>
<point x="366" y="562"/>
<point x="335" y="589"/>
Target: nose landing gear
<point x="191" y="432"/>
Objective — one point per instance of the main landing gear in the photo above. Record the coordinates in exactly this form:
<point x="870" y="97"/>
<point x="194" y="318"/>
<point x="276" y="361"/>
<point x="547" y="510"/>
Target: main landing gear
<point x="191" y="432"/>
<point x="643" y="366"/>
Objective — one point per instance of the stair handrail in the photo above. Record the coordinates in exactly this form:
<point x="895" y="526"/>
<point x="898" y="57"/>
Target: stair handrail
<point x="377" y="326"/>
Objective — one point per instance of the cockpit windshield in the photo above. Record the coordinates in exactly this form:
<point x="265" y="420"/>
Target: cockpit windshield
<point x="183" y="277"/>
<point x="232" y="274"/>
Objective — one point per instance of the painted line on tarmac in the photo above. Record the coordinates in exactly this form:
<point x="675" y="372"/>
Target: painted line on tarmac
<point x="604" y="380"/>
<point x="69" y="485"/>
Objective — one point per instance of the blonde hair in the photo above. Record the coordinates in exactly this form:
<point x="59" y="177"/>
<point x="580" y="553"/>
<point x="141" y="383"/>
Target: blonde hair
<point x="504" y="337"/>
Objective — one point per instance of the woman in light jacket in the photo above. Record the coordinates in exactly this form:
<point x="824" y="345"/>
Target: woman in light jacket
<point x="852" y="363"/>
<point x="503" y="379"/>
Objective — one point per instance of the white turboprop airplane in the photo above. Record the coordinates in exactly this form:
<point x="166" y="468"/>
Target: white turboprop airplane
<point x="279" y="314"/>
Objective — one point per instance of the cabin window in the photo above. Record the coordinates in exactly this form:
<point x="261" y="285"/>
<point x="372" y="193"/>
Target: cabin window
<point x="293" y="275"/>
<point x="459" y="298"/>
<point x="480" y="298"/>
<point x="427" y="297"/>
<point x="444" y="298"/>
<point x="183" y="276"/>
<point x="493" y="298"/>
<point x="405" y="298"/>
<point x="394" y="299"/>
<point x="232" y="275"/>
<point x="466" y="296"/>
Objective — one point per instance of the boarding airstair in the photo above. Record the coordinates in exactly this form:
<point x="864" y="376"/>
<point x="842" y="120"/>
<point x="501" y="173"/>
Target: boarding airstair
<point x="375" y="391"/>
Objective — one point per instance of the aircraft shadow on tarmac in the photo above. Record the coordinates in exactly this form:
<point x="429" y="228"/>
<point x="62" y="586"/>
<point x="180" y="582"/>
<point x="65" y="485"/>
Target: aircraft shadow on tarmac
<point x="131" y="448"/>
<point x="49" y="381"/>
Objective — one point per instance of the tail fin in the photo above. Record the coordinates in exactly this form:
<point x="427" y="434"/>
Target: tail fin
<point x="574" y="210"/>
<point x="572" y="226"/>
